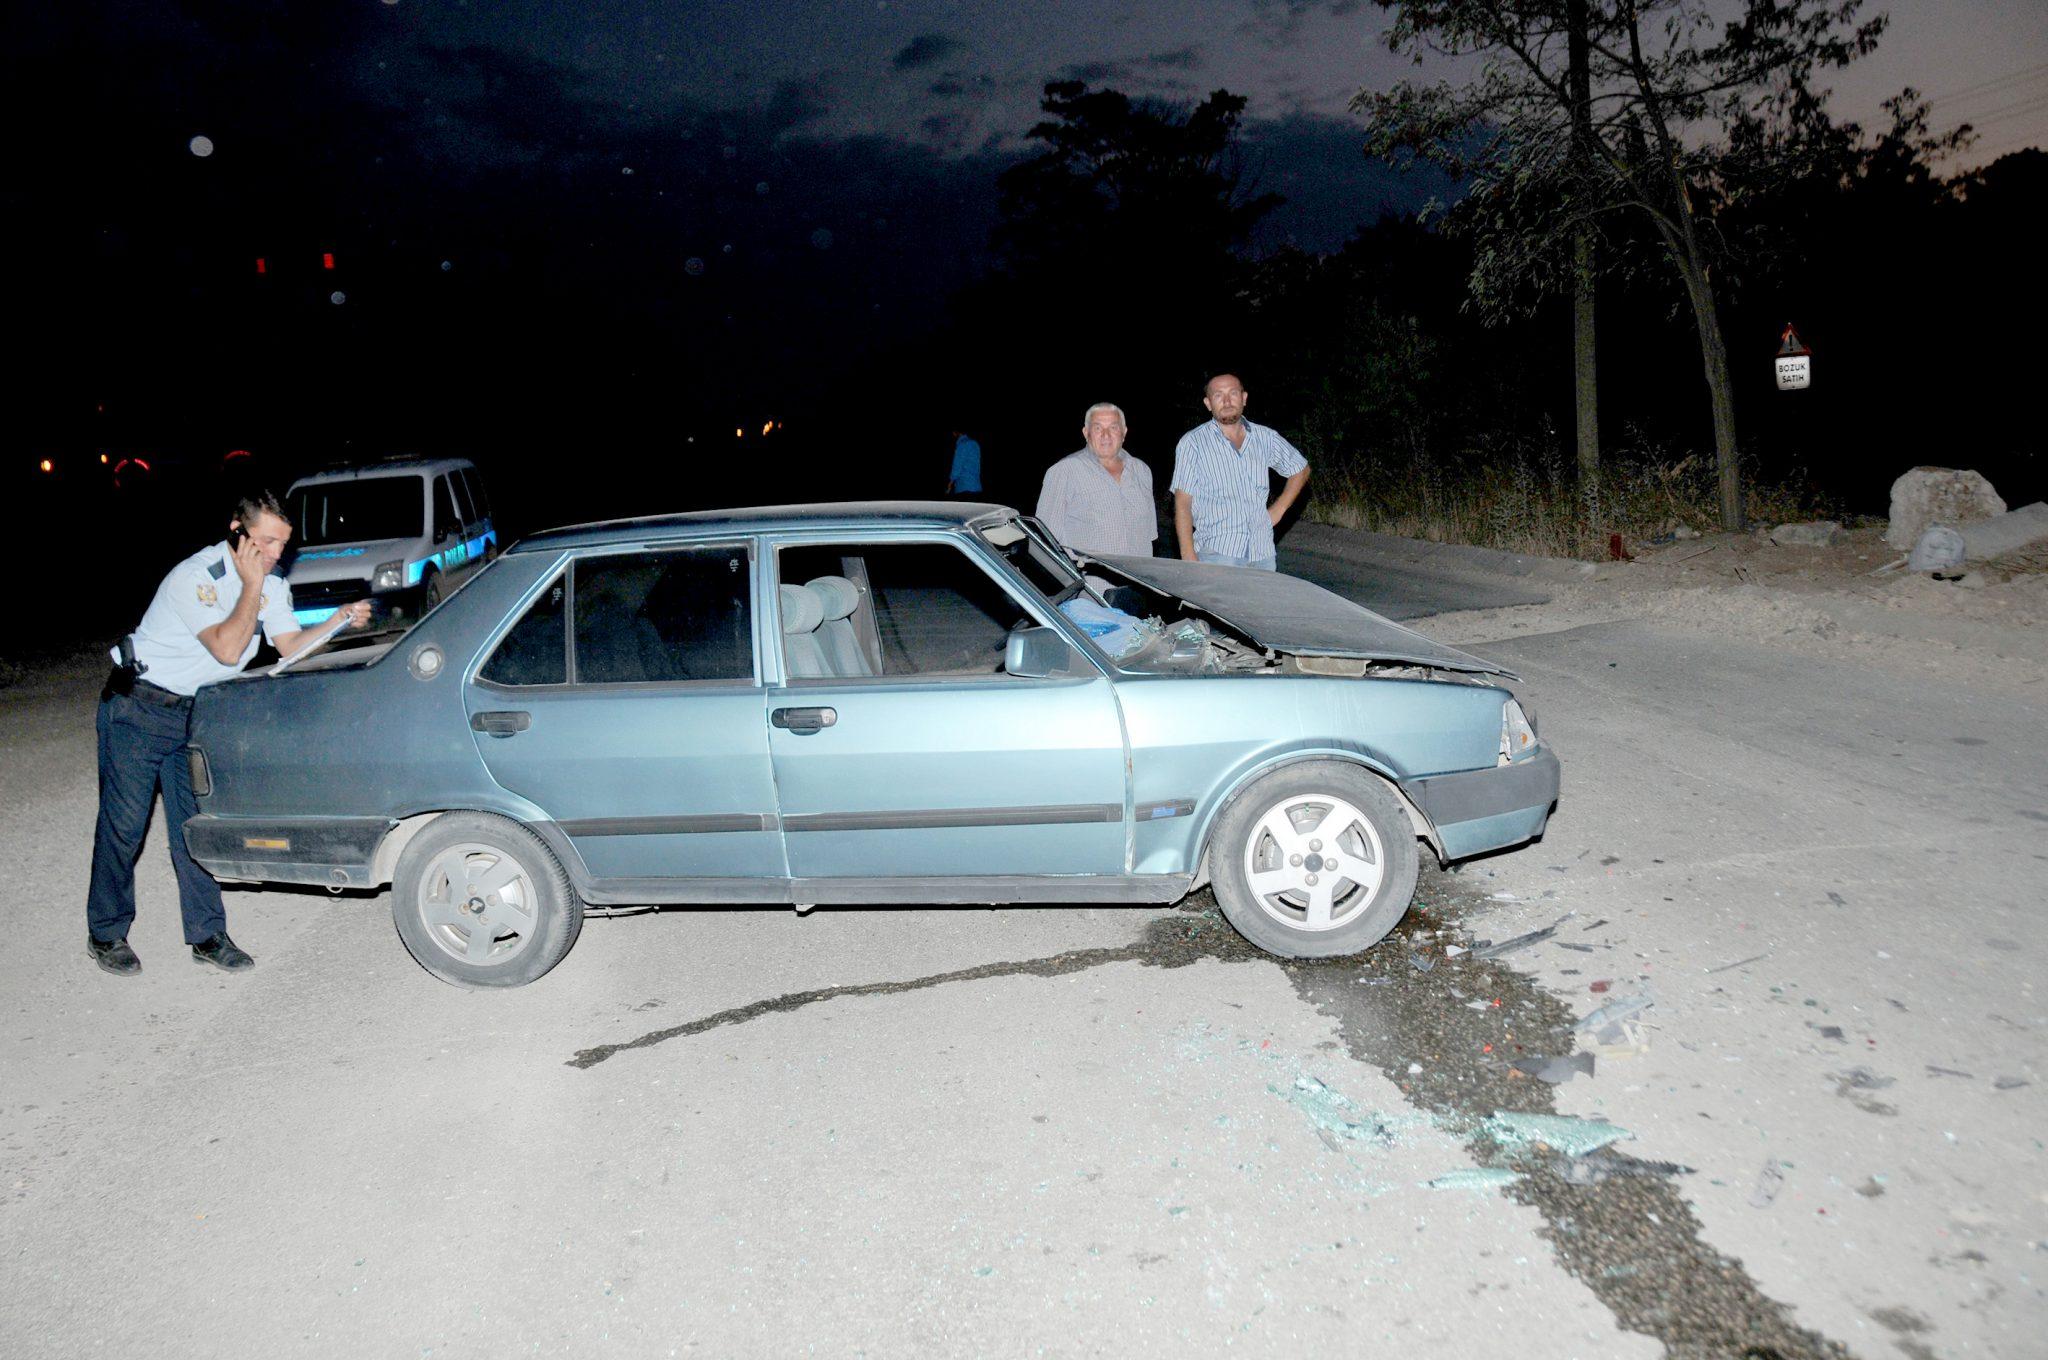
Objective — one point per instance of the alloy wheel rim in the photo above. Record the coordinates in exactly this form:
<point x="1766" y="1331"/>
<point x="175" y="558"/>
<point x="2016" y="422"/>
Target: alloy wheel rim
<point x="1314" y="862"/>
<point x="478" y="904"/>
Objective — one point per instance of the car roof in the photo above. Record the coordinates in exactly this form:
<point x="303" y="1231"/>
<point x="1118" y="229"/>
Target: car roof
<point x="854" y="516"/>
<point x="386" y="468"/>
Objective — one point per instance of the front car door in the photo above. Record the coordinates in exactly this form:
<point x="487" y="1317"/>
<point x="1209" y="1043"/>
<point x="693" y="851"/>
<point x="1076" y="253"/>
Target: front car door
<point x="626" y="702"/>
<point x="905" y="758"/>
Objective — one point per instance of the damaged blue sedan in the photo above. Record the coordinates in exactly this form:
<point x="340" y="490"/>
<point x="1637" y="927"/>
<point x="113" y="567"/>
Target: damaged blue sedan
<point x="883" y="703"/>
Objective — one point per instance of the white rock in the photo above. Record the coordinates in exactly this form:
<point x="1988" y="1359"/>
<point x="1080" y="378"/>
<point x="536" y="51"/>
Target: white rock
<point x="1930" y="495"/>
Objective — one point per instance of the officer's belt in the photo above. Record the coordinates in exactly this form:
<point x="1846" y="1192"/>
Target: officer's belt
<point x="126" y="682"/>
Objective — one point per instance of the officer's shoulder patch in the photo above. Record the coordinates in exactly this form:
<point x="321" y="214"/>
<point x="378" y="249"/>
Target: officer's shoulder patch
<point x="218" y="569"/>
<point x="209" y="595"/>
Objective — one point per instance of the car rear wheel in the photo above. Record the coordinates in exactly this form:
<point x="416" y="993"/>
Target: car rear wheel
<point x="480" y="901"/>
<point x="1314" y="861"/>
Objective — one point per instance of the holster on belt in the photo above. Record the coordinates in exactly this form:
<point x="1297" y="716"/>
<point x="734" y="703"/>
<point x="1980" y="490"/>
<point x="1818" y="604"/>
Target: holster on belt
<point x="121" y="680"/>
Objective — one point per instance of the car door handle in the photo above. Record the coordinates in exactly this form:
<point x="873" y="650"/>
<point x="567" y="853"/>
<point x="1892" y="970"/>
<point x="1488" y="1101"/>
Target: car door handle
<point x="502" y="723"/>
<point x="804" y="721"/>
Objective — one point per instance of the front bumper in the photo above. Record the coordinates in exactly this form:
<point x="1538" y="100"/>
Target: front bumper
<point x="335" y="852"/>
<point x="1479" y="810"/>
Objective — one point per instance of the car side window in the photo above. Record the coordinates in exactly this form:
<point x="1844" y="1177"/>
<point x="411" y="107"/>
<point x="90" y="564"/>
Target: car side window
<point x="536" y="651"/>
<point x="464" y="511"/>
<point x="478" y="496"/>
<point x="662" y="616"/>
<point x="445" y="521"/>
<point x="920" y="609"/>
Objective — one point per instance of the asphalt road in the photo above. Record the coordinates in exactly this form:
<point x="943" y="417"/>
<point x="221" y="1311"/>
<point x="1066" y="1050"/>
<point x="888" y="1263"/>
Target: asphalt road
<point x="1090" y="1131"/>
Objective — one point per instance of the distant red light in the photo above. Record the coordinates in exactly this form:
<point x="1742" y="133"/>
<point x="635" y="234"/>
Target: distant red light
<point x="262" y="265"/>
<point x="327" y="260"/>
<point x="233" y="454"/>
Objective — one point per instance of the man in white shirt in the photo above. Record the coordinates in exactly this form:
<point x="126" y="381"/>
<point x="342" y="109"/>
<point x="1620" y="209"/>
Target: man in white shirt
<point x="1098" y="499"/>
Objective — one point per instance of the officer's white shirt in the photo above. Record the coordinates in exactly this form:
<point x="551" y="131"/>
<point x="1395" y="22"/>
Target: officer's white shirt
<point x="200" y="592"/>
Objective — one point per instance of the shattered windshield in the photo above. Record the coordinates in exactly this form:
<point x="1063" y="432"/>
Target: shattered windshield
<point x="1034" y="557"/>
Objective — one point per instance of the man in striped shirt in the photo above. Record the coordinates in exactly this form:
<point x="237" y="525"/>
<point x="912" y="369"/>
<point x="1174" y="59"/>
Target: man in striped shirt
<point x="1099" y="499"/>
<point x="1219" y="482"/>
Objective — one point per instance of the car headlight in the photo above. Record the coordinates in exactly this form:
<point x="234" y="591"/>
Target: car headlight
<point x="1517" y="733"/>
<point x="389" y="576"/>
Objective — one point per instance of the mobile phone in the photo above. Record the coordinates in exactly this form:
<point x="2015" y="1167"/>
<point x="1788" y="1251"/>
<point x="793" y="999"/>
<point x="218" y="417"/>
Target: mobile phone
<point x="236" y="533"/>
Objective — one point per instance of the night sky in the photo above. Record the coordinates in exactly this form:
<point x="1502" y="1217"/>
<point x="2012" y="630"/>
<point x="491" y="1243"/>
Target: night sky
<point x="775" y="190"/>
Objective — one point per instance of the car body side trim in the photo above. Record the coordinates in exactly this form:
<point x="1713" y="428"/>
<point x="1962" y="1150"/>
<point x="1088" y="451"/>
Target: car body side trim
<point x="979" y="891"/>
<point x="1047" y="814"/>
<point x="1168" y="807"/>
<point x="668" y="826"/>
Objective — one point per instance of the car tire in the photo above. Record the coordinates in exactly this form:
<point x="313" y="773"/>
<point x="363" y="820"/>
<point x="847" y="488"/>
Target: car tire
<point x="1314" y="861"/>
<point x="480" y="901"/>
<point x="430" y="593"/>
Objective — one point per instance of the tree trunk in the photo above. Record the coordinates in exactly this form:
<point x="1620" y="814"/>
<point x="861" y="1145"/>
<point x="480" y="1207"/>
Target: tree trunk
<point x="1585" y="372"/>
<point x="1585" y="368"/>
<point x="1714" y="358"/>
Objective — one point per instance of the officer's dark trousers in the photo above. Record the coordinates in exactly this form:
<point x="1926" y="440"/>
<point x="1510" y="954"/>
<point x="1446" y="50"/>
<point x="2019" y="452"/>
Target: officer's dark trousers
<point x="142" y="749"/>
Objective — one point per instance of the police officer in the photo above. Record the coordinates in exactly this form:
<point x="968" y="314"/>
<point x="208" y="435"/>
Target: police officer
<point x="201" y="627"/>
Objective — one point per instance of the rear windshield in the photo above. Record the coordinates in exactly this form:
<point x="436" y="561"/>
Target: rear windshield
<point x="357" y="512"/>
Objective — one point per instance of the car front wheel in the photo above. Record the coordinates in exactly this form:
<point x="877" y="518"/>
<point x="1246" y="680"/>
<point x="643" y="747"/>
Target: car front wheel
<point x="480" y="901"/>
<point x="1314" y="861"/>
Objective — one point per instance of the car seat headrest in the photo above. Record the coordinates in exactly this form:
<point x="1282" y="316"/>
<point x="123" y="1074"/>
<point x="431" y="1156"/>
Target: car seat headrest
<point x="839" y="595"/>
<point x="802" y="609"/>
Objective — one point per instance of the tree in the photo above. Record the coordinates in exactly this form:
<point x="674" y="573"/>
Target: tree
<point x="1123" y="177"/>
<point x="1121" y="246"/>
<point x="1684" y="115"/>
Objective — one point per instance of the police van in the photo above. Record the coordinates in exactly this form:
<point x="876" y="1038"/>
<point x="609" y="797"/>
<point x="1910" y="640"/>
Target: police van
<point x="401" y="534"/>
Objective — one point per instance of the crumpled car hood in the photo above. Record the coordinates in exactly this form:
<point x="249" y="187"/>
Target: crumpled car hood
<point x="1287" y="614"/>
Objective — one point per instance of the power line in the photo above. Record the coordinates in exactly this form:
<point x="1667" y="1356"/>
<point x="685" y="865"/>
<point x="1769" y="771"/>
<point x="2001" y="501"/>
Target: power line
<point x="2020" y="109"/>
<point x="2031" y="73"/>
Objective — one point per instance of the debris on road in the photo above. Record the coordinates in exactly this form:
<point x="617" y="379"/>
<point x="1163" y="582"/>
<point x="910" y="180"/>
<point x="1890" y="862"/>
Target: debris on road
<point x="1754" y="958"/>
<point x="1487" y="949"/>
<point x="1560" y="1133"/>
<point x="1556" y="1071"/>
<point x="1331" y="1111"/>
<point x="1474" y="1178"/>
<point x="1769" y="1181"/>
<point x="1607" y="1164"/>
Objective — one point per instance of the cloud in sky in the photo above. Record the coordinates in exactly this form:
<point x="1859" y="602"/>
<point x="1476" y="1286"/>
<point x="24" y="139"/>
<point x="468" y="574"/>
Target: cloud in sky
<point x="926" y="49"/>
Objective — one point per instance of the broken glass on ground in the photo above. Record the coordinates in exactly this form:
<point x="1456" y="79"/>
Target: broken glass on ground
<point x="1476" y="1178"/>
<point x="1573" y="1137"/>
<point x="1332" y="1112"/>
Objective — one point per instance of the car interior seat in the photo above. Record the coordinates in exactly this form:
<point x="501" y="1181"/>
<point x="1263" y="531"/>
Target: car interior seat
<point x="840" y="598"/>
<point x="802" y="611"/>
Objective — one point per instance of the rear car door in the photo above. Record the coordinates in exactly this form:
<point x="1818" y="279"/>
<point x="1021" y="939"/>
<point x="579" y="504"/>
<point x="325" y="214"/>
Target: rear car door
<point x="905" y="751"/>
<point x="626" y="702"/>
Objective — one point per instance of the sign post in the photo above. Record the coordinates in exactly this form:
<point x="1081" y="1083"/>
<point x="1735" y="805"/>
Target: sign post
<point x="1794" y="362"/>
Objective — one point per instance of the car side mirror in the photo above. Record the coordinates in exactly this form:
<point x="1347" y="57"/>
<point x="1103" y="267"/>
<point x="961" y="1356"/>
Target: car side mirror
<point x="1037" y="653"/>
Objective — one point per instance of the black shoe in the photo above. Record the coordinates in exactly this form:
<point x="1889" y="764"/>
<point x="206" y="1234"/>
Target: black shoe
<point x="114" y="955"/>
<point x="222" y="952"/>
